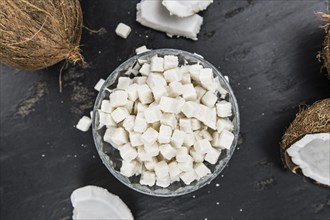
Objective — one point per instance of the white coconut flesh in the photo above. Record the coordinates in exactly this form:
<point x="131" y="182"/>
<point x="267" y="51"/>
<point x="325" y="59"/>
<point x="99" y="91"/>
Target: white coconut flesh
<point x="312" y="155"/>
<point x="96" y="203"/>
<point x="185" y="8"/>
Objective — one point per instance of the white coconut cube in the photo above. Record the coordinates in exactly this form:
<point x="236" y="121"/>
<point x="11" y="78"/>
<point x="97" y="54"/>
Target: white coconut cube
<point x="165" y="134"/>
<point x="148" y="178"/>
<point x="188" y="177"/>
<point x="185" y="125"/>
<point x="173" y="75"/>
<point x="226" y="139"/>
<point x="152" y="150"/>
<point x="198" y="157"/>
<point x="141" y="49"/>
<point x="157" y="64"/>
<point x="194" y="71"/>
<point x="167" y="151"/>
<point x="119" y="114"/>
<point x="206" y="76"/>
<point x="195" y="124"/>
<point x="132" y="92"/>
<point x="106" y="106"/>
<point x="129" y="106"/>
<point x="190" y="109"/>
<point x="115" y="136"/>
<point x="128" y="123"/>
<point x="143" y="155"/>
<point x="124" y="82"/>
<point x="149" y="137"/>
<point x="186" y="165"/>
<point x="186" y="78"/>
<point x="177" y="138"/>
<point x="155" y="80"/>
<point x="140" y="80"/>
<point x="170" y="120"/>
<point x="150" y="165"/>
<point x="170" y="62"/>
<point x="140" y="107"/>
<point x="182" y="154"/>
<point x="216" y="139"/>
<point x="189" y="92"/>
<point x="145" y="94"/>
<point x="163" y="182"/>
<point x="135" y="139"/>
<point x="224" y="124"/>
<point x="140" y="124"/>
<point x="200" y="92"/>
<point x="202" y="146"/>
<point x="171" y="105"/>
<point x="159" y="92"/>
<point x="212" y="156"/>
<point x="201" y="170"/>
<point x="153" y="114"/>
<point x="123" y="30"/>
<point x="105" y="119"/>
<point x="189" y="140"/>
<point x="84" y="123"/>
<point x="118" y="98"/>
<point x="99" y="85"/>
<point x="129" y="168"/>
<point x="206" y="135"/>
<point x="209" y="99"/>
<point x="173" y="169"/>
<point x="127" y="152"/>
<point x="145" y="69"/>
<point x="197" y="136"/>
<point x="175" y="89"/>
<point x="161" y="169"/>
<point x="224" y="109"/>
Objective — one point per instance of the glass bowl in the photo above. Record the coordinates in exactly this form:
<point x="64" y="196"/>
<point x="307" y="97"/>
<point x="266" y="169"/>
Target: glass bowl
<point x="111" y="157"/>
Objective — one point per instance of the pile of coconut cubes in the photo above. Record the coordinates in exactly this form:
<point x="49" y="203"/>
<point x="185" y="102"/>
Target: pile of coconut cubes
<point x="168" y="122"/>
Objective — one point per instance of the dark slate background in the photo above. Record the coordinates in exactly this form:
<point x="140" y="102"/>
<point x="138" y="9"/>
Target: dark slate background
<point x="267" y="48"/>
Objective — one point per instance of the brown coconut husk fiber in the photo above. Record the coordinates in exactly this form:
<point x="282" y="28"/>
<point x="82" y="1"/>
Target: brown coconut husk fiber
<point x="314" y="119"/>
<point x="325" y="53"/>
<point x="39" y="33"/>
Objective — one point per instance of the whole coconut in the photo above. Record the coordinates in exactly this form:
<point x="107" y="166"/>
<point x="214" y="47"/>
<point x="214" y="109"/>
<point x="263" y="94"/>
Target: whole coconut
<point x="39" y="33"/>
<point x="313" y="120"/>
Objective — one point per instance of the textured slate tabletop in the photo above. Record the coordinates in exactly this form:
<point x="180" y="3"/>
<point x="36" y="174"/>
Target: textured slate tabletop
<point x="268" y="50"/>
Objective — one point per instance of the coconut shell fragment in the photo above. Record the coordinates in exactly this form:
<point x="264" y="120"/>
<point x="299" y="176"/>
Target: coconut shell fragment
<point x="37" y="34"/>
<point x="325" y="53"/>
<point x="312" y="120"/>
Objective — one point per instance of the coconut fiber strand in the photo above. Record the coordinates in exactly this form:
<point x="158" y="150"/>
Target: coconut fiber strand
<point x="325" y="54"/>
<point x="314" y="119"/>
<point x="35" y="34"/>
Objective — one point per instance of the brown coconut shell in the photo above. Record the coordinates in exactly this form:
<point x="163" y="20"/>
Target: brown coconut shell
<point x="314" y="119"/>
<point x="39" y="33"/>
<point x="324" y="55"/>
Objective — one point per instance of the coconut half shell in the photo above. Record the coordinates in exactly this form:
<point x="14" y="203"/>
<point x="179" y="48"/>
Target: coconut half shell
<point x="312" y="120"/>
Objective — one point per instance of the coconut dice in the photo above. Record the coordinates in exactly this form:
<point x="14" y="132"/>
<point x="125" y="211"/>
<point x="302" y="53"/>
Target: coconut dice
<point x="169" y="122"/>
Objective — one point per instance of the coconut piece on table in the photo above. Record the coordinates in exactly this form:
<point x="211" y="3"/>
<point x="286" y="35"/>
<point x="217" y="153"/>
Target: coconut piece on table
<point x="93" y="202"/>
<point x="185" y="8"/>
<point x="141" y="49"/>
<point x="84" y="123"/>
<point x="99" y="84"/>
<point x="154" y="15"/>
<point x="123" y="30"/>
